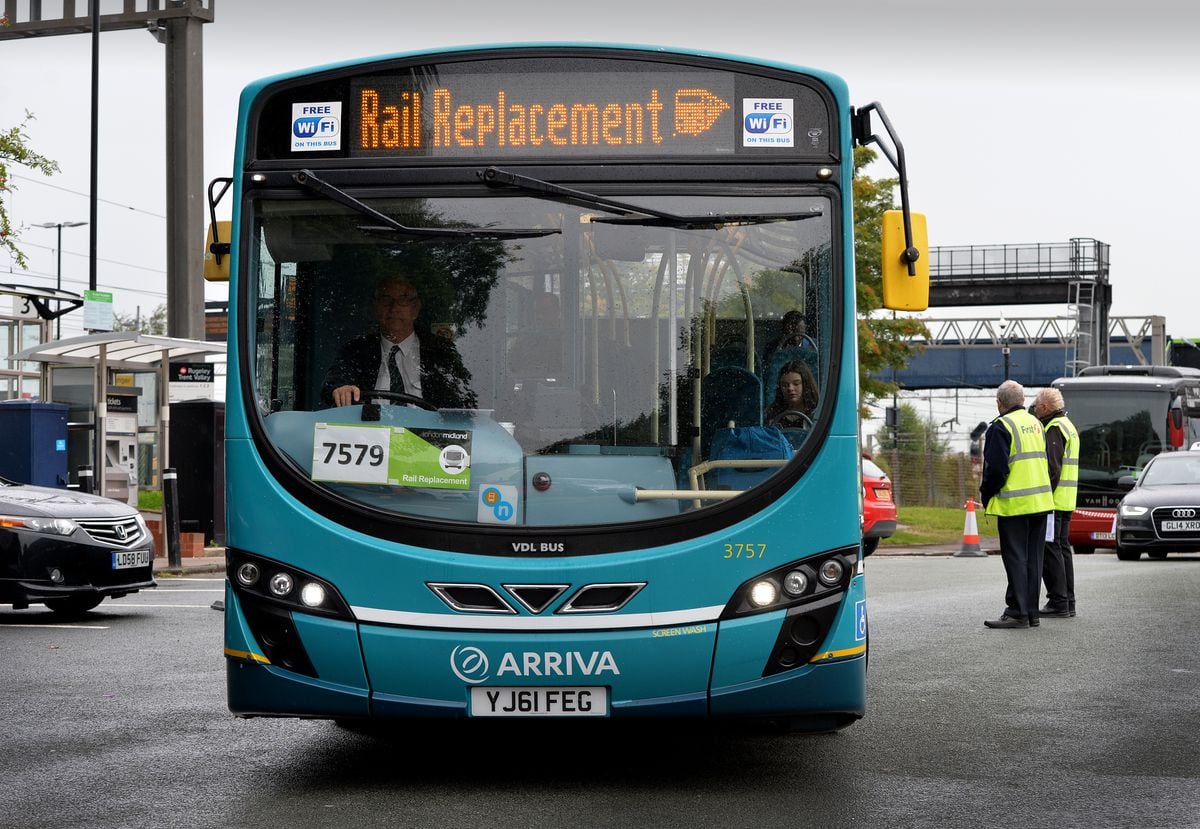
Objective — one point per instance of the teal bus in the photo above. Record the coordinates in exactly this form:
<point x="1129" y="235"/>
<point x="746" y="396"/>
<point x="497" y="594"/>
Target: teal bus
<point x="585" y="493"/>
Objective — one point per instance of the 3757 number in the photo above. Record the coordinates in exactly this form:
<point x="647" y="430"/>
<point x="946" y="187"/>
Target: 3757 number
<point x="745" y="550"/>
<point x="353" y="454"/>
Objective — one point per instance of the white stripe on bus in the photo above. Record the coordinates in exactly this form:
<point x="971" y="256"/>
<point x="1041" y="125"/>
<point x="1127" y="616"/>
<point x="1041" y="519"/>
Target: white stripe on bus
<point x="459" y="621"/>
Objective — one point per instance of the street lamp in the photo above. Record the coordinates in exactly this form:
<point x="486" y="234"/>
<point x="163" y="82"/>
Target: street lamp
<point x="60" y="226"/>
<point x="1002" y="324"/>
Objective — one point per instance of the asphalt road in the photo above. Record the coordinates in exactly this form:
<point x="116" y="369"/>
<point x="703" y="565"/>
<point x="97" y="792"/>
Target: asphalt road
<point x="120" y="721"/>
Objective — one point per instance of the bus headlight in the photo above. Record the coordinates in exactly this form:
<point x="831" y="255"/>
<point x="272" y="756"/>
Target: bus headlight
<point x="763" y="593"/>
<point x="789" y="585"/>
<point x="247" y="574"/>
<point x="281" y="584"/>
<point x="795" y="583"/>
<point x="831" y="572"/>
<point x="312" y="594"/>
<point x="258" y="580"/>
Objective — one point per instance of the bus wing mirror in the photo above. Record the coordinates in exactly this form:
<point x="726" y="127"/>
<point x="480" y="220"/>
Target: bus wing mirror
<point x="903" y="291"/>
<point x="216" y="252"/>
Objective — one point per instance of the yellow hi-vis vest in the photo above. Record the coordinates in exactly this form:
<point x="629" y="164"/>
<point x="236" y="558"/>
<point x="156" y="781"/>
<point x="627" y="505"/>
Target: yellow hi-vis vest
<point x="1027" y="490"/>
<point x="1068" y="479"/>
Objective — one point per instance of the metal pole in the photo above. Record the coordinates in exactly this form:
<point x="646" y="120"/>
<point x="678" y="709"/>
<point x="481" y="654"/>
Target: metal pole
<point x="95" y="4"/>
<point x="87" y="483"/>
<point x="58" y="321"/>
<point x="171" y="518"/>
<point x="101" y="453"/>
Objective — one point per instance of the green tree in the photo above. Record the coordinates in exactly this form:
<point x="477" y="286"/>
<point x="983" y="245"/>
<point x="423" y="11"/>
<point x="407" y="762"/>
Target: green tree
<point x="914" y="434"/>
<point x="14" y="149"/>
<point x="153" y="323"/>
<point x="883" y="340"/>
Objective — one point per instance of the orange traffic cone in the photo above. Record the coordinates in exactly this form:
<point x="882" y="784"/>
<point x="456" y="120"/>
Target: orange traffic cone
<point x="970" y="540"/>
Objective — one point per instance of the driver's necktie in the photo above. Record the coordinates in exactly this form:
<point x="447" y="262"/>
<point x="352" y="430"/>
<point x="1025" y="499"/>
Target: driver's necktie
<point x="394" y="376"/>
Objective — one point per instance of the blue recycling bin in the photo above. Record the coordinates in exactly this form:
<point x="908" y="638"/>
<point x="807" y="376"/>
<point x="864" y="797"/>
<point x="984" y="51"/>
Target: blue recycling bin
<point x="33" y="442"/>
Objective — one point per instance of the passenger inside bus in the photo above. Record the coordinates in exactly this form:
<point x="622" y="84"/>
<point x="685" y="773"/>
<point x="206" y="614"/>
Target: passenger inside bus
<point x="399" y="356"/>
<point x="794" y="335"/>
<point x="795" y="400"/>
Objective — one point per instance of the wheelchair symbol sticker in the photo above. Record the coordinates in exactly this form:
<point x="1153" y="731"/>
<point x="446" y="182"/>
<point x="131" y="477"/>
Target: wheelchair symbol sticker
<point x="860" y="621"/>
<point x="497" y="504"/>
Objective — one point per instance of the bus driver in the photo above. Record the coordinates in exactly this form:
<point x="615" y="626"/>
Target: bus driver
<point x="398" y="357"/>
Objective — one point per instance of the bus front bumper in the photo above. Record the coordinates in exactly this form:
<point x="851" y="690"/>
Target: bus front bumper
<point x="714" y="669"/>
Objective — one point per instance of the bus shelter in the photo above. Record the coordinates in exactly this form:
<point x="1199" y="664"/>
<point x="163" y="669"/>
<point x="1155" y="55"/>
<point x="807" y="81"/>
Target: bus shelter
<point x="106" y="353"/>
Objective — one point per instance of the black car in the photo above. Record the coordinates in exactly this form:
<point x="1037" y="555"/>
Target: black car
<point x="68" y="550"/>
<point x="1161" y="512"/>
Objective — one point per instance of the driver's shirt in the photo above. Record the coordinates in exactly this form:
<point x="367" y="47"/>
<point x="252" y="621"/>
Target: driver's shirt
<point x="408" y="358"/>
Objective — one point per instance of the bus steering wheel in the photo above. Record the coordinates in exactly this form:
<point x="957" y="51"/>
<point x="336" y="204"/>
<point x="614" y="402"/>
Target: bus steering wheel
<point x="792" y="419"/>
<point x="400" y="397"/>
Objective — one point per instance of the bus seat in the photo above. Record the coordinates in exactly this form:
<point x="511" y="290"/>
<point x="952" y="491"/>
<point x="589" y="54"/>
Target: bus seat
<point x="749" y="442"/>
<point x="780" y="359"/>
<point x="729" y="394"/>
<point x="729" y="356"/>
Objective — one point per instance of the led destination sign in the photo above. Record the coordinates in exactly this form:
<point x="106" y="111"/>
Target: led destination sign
<point x="651" y="113"/>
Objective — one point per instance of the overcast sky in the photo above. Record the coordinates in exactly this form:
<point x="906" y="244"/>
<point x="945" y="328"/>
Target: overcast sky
<point x="1023" y="121"/>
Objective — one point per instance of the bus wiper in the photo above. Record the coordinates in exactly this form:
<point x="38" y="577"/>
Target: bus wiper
<point x="713" y="222"/>
<point x="633" y="214"/>
<point x="495" y="177"/>
<point x="306" y="179"/>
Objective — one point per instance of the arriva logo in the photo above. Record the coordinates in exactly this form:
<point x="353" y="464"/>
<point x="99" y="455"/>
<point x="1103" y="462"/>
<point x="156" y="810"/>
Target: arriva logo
<point x="471" y="665"/>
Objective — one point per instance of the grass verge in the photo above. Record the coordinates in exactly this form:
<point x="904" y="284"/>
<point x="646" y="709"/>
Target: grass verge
<point x="150" y="500"/>
<point x="936" y="525"/>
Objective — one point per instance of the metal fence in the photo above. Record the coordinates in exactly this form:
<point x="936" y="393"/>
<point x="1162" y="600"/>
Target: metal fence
<point x="925" y="479"/>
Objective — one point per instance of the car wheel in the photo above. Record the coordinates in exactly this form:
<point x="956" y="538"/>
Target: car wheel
<point x="1126" y="554"/>
<point x="73" y="606"/>
<point x="869" y="545"/>
<point x="1082" y="550"/>
<point x="1159" y="554"/>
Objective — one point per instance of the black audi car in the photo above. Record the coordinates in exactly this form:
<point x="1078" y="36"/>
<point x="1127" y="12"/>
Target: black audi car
<point x="1161" y="512"/>
<point x="68" y="550"/>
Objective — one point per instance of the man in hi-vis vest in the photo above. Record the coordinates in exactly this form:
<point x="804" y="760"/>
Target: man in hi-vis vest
<point x="1062" y="454"/>
<point x="1015" y="488"/>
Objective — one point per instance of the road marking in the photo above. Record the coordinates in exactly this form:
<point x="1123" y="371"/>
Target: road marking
<point x="190" y="590"/>
<point x="189" y="578"/>
<point x="139" y="604"/>
<point x="60" y="627"/>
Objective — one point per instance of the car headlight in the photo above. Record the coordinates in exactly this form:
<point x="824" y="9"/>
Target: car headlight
<point x="56" y="526"/>
<point x="1132" y="510"/>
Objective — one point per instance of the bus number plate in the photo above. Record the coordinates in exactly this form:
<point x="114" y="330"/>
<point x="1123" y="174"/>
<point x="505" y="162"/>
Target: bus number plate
<point x="539" y="702"/>
<point x="1104" y="536"/>
<point x="1181" y="526"/>
<point x="125" y="559"/>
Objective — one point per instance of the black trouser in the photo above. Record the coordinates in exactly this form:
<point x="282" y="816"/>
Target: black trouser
<point x="1022" y="539"/>
<point x="1058" y="567"/>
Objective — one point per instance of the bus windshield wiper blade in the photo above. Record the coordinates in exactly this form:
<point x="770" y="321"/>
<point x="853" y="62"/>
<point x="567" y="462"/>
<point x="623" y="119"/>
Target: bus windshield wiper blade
<point x="633" y="214"/>
<point x="306" y="179"/>
<point x="714" y="222"/>
<point x="495" y="177"/>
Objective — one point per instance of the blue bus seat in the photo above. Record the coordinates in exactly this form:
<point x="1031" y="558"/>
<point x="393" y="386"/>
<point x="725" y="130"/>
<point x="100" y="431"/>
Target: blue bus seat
<point x="741" y="443"/>
<point x="729" y="394"/>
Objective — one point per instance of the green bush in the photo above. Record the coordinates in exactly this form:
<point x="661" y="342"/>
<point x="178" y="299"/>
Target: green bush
<point x="150" y="500"/>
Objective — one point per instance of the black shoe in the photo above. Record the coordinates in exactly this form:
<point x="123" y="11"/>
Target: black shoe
<point x="1006" y="621"/>
<point x="1056" y="613"/>
<point x="1034" y="622"/>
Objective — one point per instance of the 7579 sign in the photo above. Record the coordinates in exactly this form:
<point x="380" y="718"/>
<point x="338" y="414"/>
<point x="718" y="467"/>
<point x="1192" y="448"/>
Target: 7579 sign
<point x="351" y="454"/>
